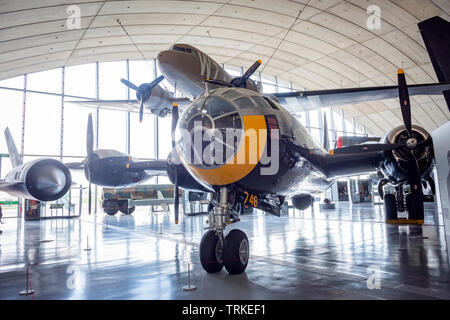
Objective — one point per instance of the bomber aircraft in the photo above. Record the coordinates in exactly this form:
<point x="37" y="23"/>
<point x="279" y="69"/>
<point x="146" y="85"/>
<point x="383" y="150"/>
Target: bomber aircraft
<point x="244" y="148"/>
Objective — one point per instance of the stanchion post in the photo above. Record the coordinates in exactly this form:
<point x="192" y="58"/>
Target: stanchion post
<point x="87" y="244"/>
<point x="189" y="287"/>
<point x="28" y="289"/>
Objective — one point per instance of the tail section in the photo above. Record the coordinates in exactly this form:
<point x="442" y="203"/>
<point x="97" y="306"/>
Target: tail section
<point x="436" y="35"/>
<point x="12" y="150"/>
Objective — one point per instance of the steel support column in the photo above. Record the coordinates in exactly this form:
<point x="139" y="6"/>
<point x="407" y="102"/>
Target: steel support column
<point x="22" y="139"/>
<point x="24" y="107"/>
<point x="155" y="123"/>
<point x="307" y="121"/>
<point x="97" y="116"/>
<point x="319" y="114"/>
<point x="128" y="116"/>
<point x="332" y="127"/>
<point x="343" y="122"/>
<point x="61" y="143"/>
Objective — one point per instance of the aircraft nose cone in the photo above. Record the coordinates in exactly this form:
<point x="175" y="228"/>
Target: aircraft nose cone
<point x="169" y="64"/>
<point x="163" y="57"/>
<point x="48" y="180"/>
<point x="52" y="183"/>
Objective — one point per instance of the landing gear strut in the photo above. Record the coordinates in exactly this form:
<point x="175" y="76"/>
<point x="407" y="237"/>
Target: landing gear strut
<point x="216" y="250"/>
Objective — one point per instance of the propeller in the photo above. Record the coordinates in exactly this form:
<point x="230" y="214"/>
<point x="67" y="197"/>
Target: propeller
<point x="369" y="147"/>
<point x="404" y="101"/>
<point x="414" y="177"/>
<point x="238" y="82"/>
<point x="143" y="92"/>
<point x="176" y="195"/>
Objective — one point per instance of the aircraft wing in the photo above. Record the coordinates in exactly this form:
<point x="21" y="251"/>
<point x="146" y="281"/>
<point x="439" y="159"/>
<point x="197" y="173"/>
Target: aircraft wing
<point x="75" y="165"/>
<point x="152" y="167"/>
<point x="310" y="100"/>
<point x="7" y="184"/>
<point x="122" y="105"/>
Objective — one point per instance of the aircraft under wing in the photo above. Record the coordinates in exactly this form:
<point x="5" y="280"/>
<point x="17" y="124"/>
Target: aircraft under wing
<point x="122" y="105"/>
<point x="6" y="184"/>
<point x="310" y="100"/>
<point x="152" y="167"/>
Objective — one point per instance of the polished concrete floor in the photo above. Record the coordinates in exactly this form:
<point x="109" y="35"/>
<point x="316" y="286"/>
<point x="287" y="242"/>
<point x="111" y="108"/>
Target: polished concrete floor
<point x="335" y="254"/>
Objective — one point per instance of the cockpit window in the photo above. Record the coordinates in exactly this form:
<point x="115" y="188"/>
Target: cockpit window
<point x="182" y="49"/>
<point x="260" y="101"/>
<point x="179" y="49"/>
<point x="244" y="103"/>
<point x="272" y="104"/>
<point x="228" y="121"/>
<point x="231" y="94"/>
<point x="216" y="106"/>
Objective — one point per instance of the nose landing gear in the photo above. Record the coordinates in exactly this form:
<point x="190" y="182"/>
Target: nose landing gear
<point x="216" y="250"/>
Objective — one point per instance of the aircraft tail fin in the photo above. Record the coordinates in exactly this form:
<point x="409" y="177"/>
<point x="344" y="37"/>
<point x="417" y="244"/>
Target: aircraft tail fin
<point x="12" y="150"/>
<point x="436" y="36"/>
<point x="325" y="140"/>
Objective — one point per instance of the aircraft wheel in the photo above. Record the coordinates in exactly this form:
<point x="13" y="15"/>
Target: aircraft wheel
<point x="236" y="251"/>
<point x="131" y="210"/>
<point x="124" y="208"/>
<point x="211" y="252"/>
<point x="390" y="206"/>
<point x="111" y="207"/>
<point x="380" y="185"/>
<point x="409" y="204"/>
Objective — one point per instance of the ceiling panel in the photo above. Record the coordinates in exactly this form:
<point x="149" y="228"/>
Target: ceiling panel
<point x="328" y="46"/>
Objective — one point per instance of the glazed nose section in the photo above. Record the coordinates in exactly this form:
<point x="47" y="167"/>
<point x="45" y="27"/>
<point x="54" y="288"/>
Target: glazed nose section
<point x="200" y="128"/>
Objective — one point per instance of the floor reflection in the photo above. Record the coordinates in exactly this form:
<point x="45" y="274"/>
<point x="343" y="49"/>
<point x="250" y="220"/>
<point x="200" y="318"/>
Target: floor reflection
<point x="309" y="254"/>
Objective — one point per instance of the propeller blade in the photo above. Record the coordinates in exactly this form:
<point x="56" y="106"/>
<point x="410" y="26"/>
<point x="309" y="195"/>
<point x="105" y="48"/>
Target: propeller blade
<point x="250" y="71"/>
<point x="218" y="82"/>
<point x="141" y="111"/>
<point x="89" y="198"/>
<point x="176" y="197"/>
<point x="75" y="165"/>
<point x="90" y="136"/>
<point x="90" y="187"/>
<point x="155" y="82"/>
<point x="415" y="181"/>
<point x="174" y="121"/>
<point x="404" y="100"/>
<point x="129" y="84"/>
<point x="370" y="147"/>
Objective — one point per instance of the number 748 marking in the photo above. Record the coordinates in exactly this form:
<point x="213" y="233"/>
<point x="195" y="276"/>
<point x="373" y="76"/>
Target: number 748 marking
<point x="251" y="199"/>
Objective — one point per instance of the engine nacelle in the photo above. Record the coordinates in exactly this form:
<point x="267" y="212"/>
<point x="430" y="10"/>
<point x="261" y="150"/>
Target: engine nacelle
<point x="302" y="201"/>
<point x="160" y="102"/>
<point x="41" y="179"/>
<point x="395" y="162"/>
<point x="185" y="180"/>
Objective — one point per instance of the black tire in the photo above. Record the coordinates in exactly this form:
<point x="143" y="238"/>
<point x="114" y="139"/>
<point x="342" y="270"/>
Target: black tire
<point x="111" y="207"/>
<point x="409" y="204"/>
<point x="380" y="185"/>
<point x="236" y="251"/>
<point x="210" y="252"/>
<point x="390" y="207"/>
<point x="124" y="208"/>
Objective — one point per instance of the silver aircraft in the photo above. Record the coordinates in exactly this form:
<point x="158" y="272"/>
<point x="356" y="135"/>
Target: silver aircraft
<point x="235" y="172"/>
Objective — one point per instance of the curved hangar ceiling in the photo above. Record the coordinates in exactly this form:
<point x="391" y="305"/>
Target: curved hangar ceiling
<point x="316" y="44"/>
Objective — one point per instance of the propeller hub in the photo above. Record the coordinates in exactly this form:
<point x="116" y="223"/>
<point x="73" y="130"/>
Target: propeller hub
<point x="411" y="143"/>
